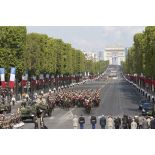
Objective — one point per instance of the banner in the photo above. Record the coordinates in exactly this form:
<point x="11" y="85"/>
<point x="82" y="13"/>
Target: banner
<point x="34" y="80"/>
<point x="2" y="73"/>
<point x="47" y="76"/>
<point x="12" y="77"/>
<point x="41" y="77"/>
<point x="25" y="78"/>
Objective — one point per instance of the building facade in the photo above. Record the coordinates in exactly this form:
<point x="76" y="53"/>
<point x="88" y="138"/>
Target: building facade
<point x="114" y="55"/>
<point x="91" y="56"/>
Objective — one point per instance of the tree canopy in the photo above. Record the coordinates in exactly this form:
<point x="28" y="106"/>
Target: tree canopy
<point x="141" y="56"/>
<point x="39" y="53"/>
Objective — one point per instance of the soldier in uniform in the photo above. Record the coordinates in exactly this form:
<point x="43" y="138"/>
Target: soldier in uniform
<point x="81" y="121"/>
<point x="13" y="100"/>
<point x="93" y="121"/>
<point x="38" y="115"/>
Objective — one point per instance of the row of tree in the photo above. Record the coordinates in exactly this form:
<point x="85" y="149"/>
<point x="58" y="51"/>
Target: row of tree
<point x="39" y="53"/>
<point x="140" y="59"/>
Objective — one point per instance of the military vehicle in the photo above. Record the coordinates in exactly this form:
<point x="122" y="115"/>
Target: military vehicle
<point x="5" y="108"/>
<point x="28" y="112"/>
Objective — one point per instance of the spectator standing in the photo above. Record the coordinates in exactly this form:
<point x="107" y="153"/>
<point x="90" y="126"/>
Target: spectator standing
<point x="133" y="124"/>
<point x="103" y="122"/>
<point x="110" y="122"/>
<point x="75" y="122"/>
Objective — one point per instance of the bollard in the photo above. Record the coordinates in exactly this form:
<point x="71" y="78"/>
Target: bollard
<point x="143" y="93"/>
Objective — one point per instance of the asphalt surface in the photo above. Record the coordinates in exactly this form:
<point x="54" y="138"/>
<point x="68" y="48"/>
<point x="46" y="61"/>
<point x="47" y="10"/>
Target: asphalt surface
<point x="118" y="97"/>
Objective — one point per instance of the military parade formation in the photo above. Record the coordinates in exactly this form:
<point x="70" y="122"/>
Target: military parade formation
<point x="41" y="105"/>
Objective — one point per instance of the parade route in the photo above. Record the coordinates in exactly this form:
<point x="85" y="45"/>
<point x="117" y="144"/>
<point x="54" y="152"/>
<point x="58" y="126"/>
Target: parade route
<point x="118" y="97"/>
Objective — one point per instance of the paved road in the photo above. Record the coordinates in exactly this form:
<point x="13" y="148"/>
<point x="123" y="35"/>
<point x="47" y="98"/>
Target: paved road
<point x="117" y="98"/>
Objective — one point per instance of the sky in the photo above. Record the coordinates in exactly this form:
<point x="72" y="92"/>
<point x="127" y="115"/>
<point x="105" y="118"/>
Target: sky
<point x="91" y="38"/>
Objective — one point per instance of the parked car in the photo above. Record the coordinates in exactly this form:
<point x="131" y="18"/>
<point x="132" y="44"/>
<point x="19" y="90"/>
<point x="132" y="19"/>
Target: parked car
<point x="141" y="103"/>
<point x="148" y="109"/>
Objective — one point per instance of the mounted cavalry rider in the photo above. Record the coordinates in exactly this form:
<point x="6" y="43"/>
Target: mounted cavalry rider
<point x="51" y="100"/>
<point x="54" y="89"/>
<point x="35" y="96"/>
<point x="87" y="105"/>
<point x="27" y="97"/>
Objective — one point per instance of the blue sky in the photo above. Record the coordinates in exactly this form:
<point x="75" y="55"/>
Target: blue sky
<point x="91" y="38"/>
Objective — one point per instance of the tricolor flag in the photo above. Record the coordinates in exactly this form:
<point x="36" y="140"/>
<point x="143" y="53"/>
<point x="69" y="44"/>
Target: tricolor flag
<point x="25" y="78"/>
<point x="2" y="72"/>
<point x="41" y="78"/>
<point x="47" y="76"/>
<point x="12" y="77"/>
<point x="34" y="80"/>
<point x="88" y="74"/>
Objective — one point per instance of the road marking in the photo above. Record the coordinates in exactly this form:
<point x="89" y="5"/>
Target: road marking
<point x="52" y="117"/>
<point x="68" y="114"/>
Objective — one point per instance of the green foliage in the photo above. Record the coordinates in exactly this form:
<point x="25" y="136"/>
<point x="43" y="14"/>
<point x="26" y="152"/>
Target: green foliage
<point x="42" y="54"/>
<point x="12" y="47"/>
<point x="141" y="56"/>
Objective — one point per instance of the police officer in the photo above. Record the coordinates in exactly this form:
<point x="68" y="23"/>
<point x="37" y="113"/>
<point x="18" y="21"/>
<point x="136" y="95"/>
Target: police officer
<point x="81" y="122"/>
<point x="93" y="121"/>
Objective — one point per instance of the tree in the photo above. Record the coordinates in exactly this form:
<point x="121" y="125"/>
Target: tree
<point x="12" y="47"/>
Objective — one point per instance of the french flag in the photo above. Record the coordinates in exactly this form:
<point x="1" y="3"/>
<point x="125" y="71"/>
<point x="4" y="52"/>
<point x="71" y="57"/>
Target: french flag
<point x="47" y="78"/>
<point x="12" y="77"/>
<point x="24" y="78"/>
<point x="41" y="79"/>
<point x="34" y="80"/>
<point x="2" y="72"/>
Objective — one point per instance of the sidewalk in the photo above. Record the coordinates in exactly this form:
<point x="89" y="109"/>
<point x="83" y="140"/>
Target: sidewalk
<point x="149" y="95"/>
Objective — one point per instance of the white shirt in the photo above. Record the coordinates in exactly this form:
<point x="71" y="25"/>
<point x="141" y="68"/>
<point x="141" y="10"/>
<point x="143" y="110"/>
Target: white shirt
<point x="133" y="125"/>
<point x="75" y="122"/>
